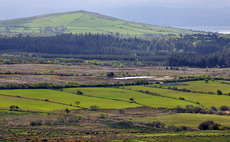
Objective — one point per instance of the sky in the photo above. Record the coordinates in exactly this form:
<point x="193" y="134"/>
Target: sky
<point x="172" y="13"/>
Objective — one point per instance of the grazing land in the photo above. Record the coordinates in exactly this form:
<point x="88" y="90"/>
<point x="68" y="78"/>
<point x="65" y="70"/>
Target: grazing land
<point x="202" y="86"/>
<point x="83" y="22"/>
<point x="207" y="100"/>
<point x="186" y="119"/>
<point x="84" y="103"/>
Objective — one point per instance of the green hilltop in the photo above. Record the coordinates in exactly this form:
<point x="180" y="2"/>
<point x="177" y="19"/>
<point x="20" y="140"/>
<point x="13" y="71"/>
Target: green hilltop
<point x="83" y="22"/>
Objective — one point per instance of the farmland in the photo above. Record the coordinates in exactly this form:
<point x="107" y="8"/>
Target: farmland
<point x="123" y="111"/>
<point x="206" y="100"/>
<point x="83" y="22"/>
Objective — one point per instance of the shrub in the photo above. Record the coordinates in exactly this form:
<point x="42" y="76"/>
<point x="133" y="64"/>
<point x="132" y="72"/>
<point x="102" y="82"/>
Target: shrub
<point x="157" y="124"/>
<point x="79" y="92"/>
<point x="131" y="99"/>
<point x="5" y="61"/>
<point x="197" y="109"/>
<point x="189" y="108"/>
<point x="36" y="123"/>
<point x="79" y="117"/>
<point x="103" y="115"/>
<point x="123" y="124"/>
<point x="77" y="103"/>
<point x="14" y="108"/>
<point x="67" y="111"/>
<point x="214" y="108"/>
<point x="179" y="109"/>
<point x="71" y="84"/>
<point x="110" y="74"/>
<point x="219" y="92"/>
<point x="41" y="61"/>
<point x="94" y="107"/>
<point x="224" y="108"/>
<point x="209" y="125"/>
<point x="121" y="111"/>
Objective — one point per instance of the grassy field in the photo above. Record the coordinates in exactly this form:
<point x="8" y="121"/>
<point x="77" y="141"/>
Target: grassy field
<point x="125" y="95"/>
<point x="186" y="119"/>
<point x="31" y="105"/>
<point x="211" y="86"/>
<point x="85" y="124"/>
<point x="61" y="97"/>
<point x="207" y="100"/>
<point x="82" y="22"/>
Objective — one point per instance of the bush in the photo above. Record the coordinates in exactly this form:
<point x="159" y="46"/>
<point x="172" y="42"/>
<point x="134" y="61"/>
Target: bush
<point x="224" y="108"/>
<point x="209" y="125"/>
<point x="103" y="115"/>
<point x="36" y="123"/>
<point x="5" y="61"/>
<point x="179" y="109"/>
<point x="79" y="92"/>
<point x="219" y="92"/>
<point x="121" y="111"/>
<point x="206" y="125"/>
<point x="110" y="74"/>
<point x="157" y="124"/>
<point x="41" y="61"/>
<point x="197" y="109"/>
<point x="214" y="108"/>
<point x="123" y="124"/>
<point x="94" y="107"/>
<point x="14" y="108"/>
<point x="189" y="108"/>
<point x="71" y="84"/>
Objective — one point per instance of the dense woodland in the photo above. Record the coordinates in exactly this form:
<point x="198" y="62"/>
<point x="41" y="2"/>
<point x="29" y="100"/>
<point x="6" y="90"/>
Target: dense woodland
<point x="185" y="50"/>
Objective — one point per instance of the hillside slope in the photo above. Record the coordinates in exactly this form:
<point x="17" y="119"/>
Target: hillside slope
<point x="82" y="22"/>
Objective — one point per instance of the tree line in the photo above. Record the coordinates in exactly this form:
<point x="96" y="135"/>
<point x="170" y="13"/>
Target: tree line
<point x="185" y="50"/>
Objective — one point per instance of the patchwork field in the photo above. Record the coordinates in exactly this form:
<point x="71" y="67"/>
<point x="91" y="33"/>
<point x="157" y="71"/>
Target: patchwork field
<point x="125" y="113"/>
<point x="125" y="95"/>
<point x="67" y="100"/>
<point x="186" y="119"/>
<point x="206" y="100"/>
<point x="201" y="86"/>
<point x="83" y="22"/>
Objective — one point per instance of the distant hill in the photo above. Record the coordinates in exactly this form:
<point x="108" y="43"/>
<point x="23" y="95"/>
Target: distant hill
<point x="82" y="22"/>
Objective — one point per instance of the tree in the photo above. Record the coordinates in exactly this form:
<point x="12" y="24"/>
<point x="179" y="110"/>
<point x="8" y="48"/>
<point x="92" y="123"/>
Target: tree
<point x="77" y="103"/>
<point x="205" y="125"/>
<point x="209" y="125"/>
<point x="79" y="92"/>
<point x="94" y="107"/>
<point x="219" y="92"/>
<point x="67" y="111"/>
<point x="224" y="108"/>
<point x="214" y="108"/>
<point x="5" y="61"/>
<point x="110" y="74"/>
<point x="131" y="99"/>
<point x="14" y="108"/>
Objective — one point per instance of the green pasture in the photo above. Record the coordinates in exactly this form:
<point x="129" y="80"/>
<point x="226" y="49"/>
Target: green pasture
<point x="125" y="95"/>
<point x="188" y="136"/>
<point x="186" y="119"/>
<point x="207" y="100"/>
<point x="30" y="105"/>
<point x="67" y="98"/>
<point x="211" y="86"/>
<point x="91" y="22"/>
